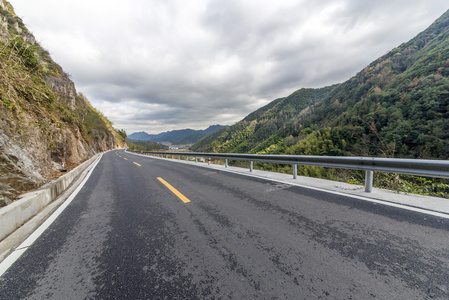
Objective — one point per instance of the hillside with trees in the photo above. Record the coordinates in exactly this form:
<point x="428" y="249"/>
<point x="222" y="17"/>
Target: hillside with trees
<point x="397" y="106"/>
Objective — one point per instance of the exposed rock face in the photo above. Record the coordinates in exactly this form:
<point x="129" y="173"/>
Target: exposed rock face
<point x="20" y="167"/>
<point x="63" y="89"/>
<point x="30" y="156"/>
<point x="17" y="171"/>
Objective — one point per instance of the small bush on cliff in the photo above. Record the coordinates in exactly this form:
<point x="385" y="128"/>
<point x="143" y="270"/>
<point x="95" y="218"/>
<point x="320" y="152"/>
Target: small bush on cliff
<point x="21" y="84"/>
<point x="27" y="53"/>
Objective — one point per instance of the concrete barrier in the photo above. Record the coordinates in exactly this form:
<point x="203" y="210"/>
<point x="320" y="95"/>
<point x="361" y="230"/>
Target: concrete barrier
<point x="17" y="213"/>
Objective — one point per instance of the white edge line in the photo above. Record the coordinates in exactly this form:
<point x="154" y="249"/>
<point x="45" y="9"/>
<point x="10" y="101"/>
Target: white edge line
<point x="383" y="202"/>
<point x="14" y="256"/>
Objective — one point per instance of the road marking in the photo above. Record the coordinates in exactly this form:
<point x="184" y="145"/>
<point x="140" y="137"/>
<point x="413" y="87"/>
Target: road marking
<point x="175" y="191"/>
<point x="360" y="197"/>
<point x="125" y="158"/>
<point x="137" y="164"/>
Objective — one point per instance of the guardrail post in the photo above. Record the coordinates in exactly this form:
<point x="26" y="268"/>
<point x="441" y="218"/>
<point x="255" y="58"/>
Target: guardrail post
<point x="226" y="163"/>
<point x="179" y="157"/>
<point x="196" y="159"/>
<point x="295" y="171"/>
<point x="187" y="158"/>
<point x="208" y="161"/>
<point x="251" y="166"/>
<point x="369" y="181"/>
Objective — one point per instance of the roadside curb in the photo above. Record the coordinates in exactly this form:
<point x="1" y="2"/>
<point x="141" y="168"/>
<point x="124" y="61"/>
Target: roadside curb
<point x="21" y="218"/>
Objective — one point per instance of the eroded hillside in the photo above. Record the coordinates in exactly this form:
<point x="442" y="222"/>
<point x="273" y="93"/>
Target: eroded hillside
<point x="46" y="127"/>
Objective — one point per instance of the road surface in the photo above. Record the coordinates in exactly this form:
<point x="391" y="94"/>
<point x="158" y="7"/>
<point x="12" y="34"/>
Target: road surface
<point x="127" y="235"/>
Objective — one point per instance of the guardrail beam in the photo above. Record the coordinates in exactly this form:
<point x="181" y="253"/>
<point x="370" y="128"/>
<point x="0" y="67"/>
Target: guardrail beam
<point x="417" y="167"/>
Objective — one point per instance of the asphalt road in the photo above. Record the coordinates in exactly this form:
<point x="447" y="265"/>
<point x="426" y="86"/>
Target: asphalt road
<point x="127" y="236"/>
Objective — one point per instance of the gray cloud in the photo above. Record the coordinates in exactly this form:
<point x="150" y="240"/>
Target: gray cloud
<point x="158" y="65"/>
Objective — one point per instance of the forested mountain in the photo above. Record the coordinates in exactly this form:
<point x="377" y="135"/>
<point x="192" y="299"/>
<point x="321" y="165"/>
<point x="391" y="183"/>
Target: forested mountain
<point x="395" y="107"/>
<point x="265" y="126"/>
<point x="176" y="137"/>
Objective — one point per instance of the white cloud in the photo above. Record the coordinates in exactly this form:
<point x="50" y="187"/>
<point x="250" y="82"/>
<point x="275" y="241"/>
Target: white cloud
<point x="158" y="65"/>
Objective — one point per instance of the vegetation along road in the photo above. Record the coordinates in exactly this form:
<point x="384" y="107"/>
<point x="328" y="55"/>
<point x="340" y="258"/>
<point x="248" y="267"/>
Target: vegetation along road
<point x="129" y="235"/>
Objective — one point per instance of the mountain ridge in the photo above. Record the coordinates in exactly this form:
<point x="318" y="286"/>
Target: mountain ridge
<point x="177" y="137"/>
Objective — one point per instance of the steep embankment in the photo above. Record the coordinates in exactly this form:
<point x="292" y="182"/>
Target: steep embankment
<point x="397" y="106"/>
<point x="46" y="127"/>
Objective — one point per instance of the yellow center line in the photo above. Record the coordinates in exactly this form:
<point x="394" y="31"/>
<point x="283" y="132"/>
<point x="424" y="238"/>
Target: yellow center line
<point x="137" y="164"/>
<point x="125" y="158"/>
<point x="175" y="191"/>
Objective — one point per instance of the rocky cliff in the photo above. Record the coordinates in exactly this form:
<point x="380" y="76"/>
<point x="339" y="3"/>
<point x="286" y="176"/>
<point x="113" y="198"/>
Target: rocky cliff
<point x="46" y="127"/>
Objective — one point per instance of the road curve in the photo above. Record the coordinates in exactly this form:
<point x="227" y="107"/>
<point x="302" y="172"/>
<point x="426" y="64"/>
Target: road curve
<point x="128" y="235"/>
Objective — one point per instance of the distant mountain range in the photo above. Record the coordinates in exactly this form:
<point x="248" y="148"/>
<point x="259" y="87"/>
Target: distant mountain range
<point x="176" y="137"/>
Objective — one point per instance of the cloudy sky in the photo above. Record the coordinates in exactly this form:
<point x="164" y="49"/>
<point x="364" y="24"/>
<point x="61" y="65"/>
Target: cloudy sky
<point x="159" y="65"/>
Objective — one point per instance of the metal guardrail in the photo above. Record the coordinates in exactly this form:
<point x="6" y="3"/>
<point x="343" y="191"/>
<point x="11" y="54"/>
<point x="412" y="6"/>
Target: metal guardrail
<point x="420" y="167"/>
